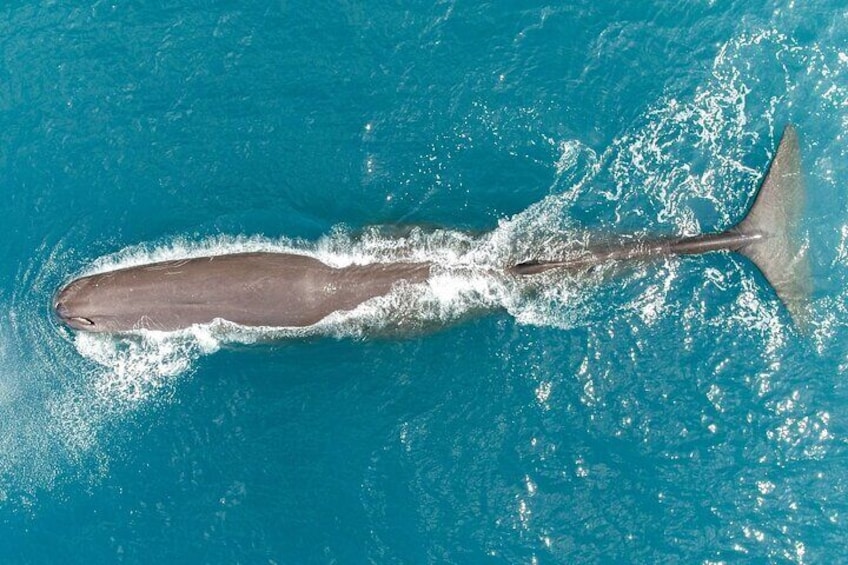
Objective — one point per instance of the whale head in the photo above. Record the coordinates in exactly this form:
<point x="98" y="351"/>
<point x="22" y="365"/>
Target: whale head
<point x="80" y="306"/>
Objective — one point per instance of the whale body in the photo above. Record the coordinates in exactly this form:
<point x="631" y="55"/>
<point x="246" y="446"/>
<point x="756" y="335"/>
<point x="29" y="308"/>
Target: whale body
<point x="249" y="289"/>
<point x="290" y="290"/>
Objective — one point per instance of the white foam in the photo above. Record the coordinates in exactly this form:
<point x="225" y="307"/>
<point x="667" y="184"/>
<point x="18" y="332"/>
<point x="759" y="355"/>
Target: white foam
<point x="138" y="368"/>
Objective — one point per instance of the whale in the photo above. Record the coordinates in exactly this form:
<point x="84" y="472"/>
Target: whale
<point x="290" y="290"/>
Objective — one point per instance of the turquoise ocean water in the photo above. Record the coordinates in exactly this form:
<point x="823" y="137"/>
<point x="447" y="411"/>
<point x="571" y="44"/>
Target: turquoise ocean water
<point x="663" y="413"/>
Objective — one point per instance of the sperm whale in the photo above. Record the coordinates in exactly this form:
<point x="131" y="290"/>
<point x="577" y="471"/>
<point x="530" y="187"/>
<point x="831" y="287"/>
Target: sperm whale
<point x="290" y="290"/>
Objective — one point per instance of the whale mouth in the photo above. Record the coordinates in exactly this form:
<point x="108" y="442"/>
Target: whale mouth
<point x="64" y="314"/>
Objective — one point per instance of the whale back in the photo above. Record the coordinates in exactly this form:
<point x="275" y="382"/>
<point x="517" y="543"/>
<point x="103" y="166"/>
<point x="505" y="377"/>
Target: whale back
<point x="250" y="289"/>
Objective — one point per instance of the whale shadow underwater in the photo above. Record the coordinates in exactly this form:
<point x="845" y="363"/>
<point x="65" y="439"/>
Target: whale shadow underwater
<point x="284" y="290"/>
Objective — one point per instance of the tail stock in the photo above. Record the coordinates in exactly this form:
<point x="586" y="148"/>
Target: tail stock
<point x="766" y="235"/>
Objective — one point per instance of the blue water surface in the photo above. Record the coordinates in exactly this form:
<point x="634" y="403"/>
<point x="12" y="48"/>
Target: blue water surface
<point x="669" y="412"/>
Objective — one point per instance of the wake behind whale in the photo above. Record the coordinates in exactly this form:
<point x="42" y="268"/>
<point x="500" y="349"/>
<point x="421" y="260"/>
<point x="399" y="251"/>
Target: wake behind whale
<point x="291" y="290"/>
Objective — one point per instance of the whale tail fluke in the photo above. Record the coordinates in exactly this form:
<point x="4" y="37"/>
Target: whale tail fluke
<point x="772" y="222"/>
